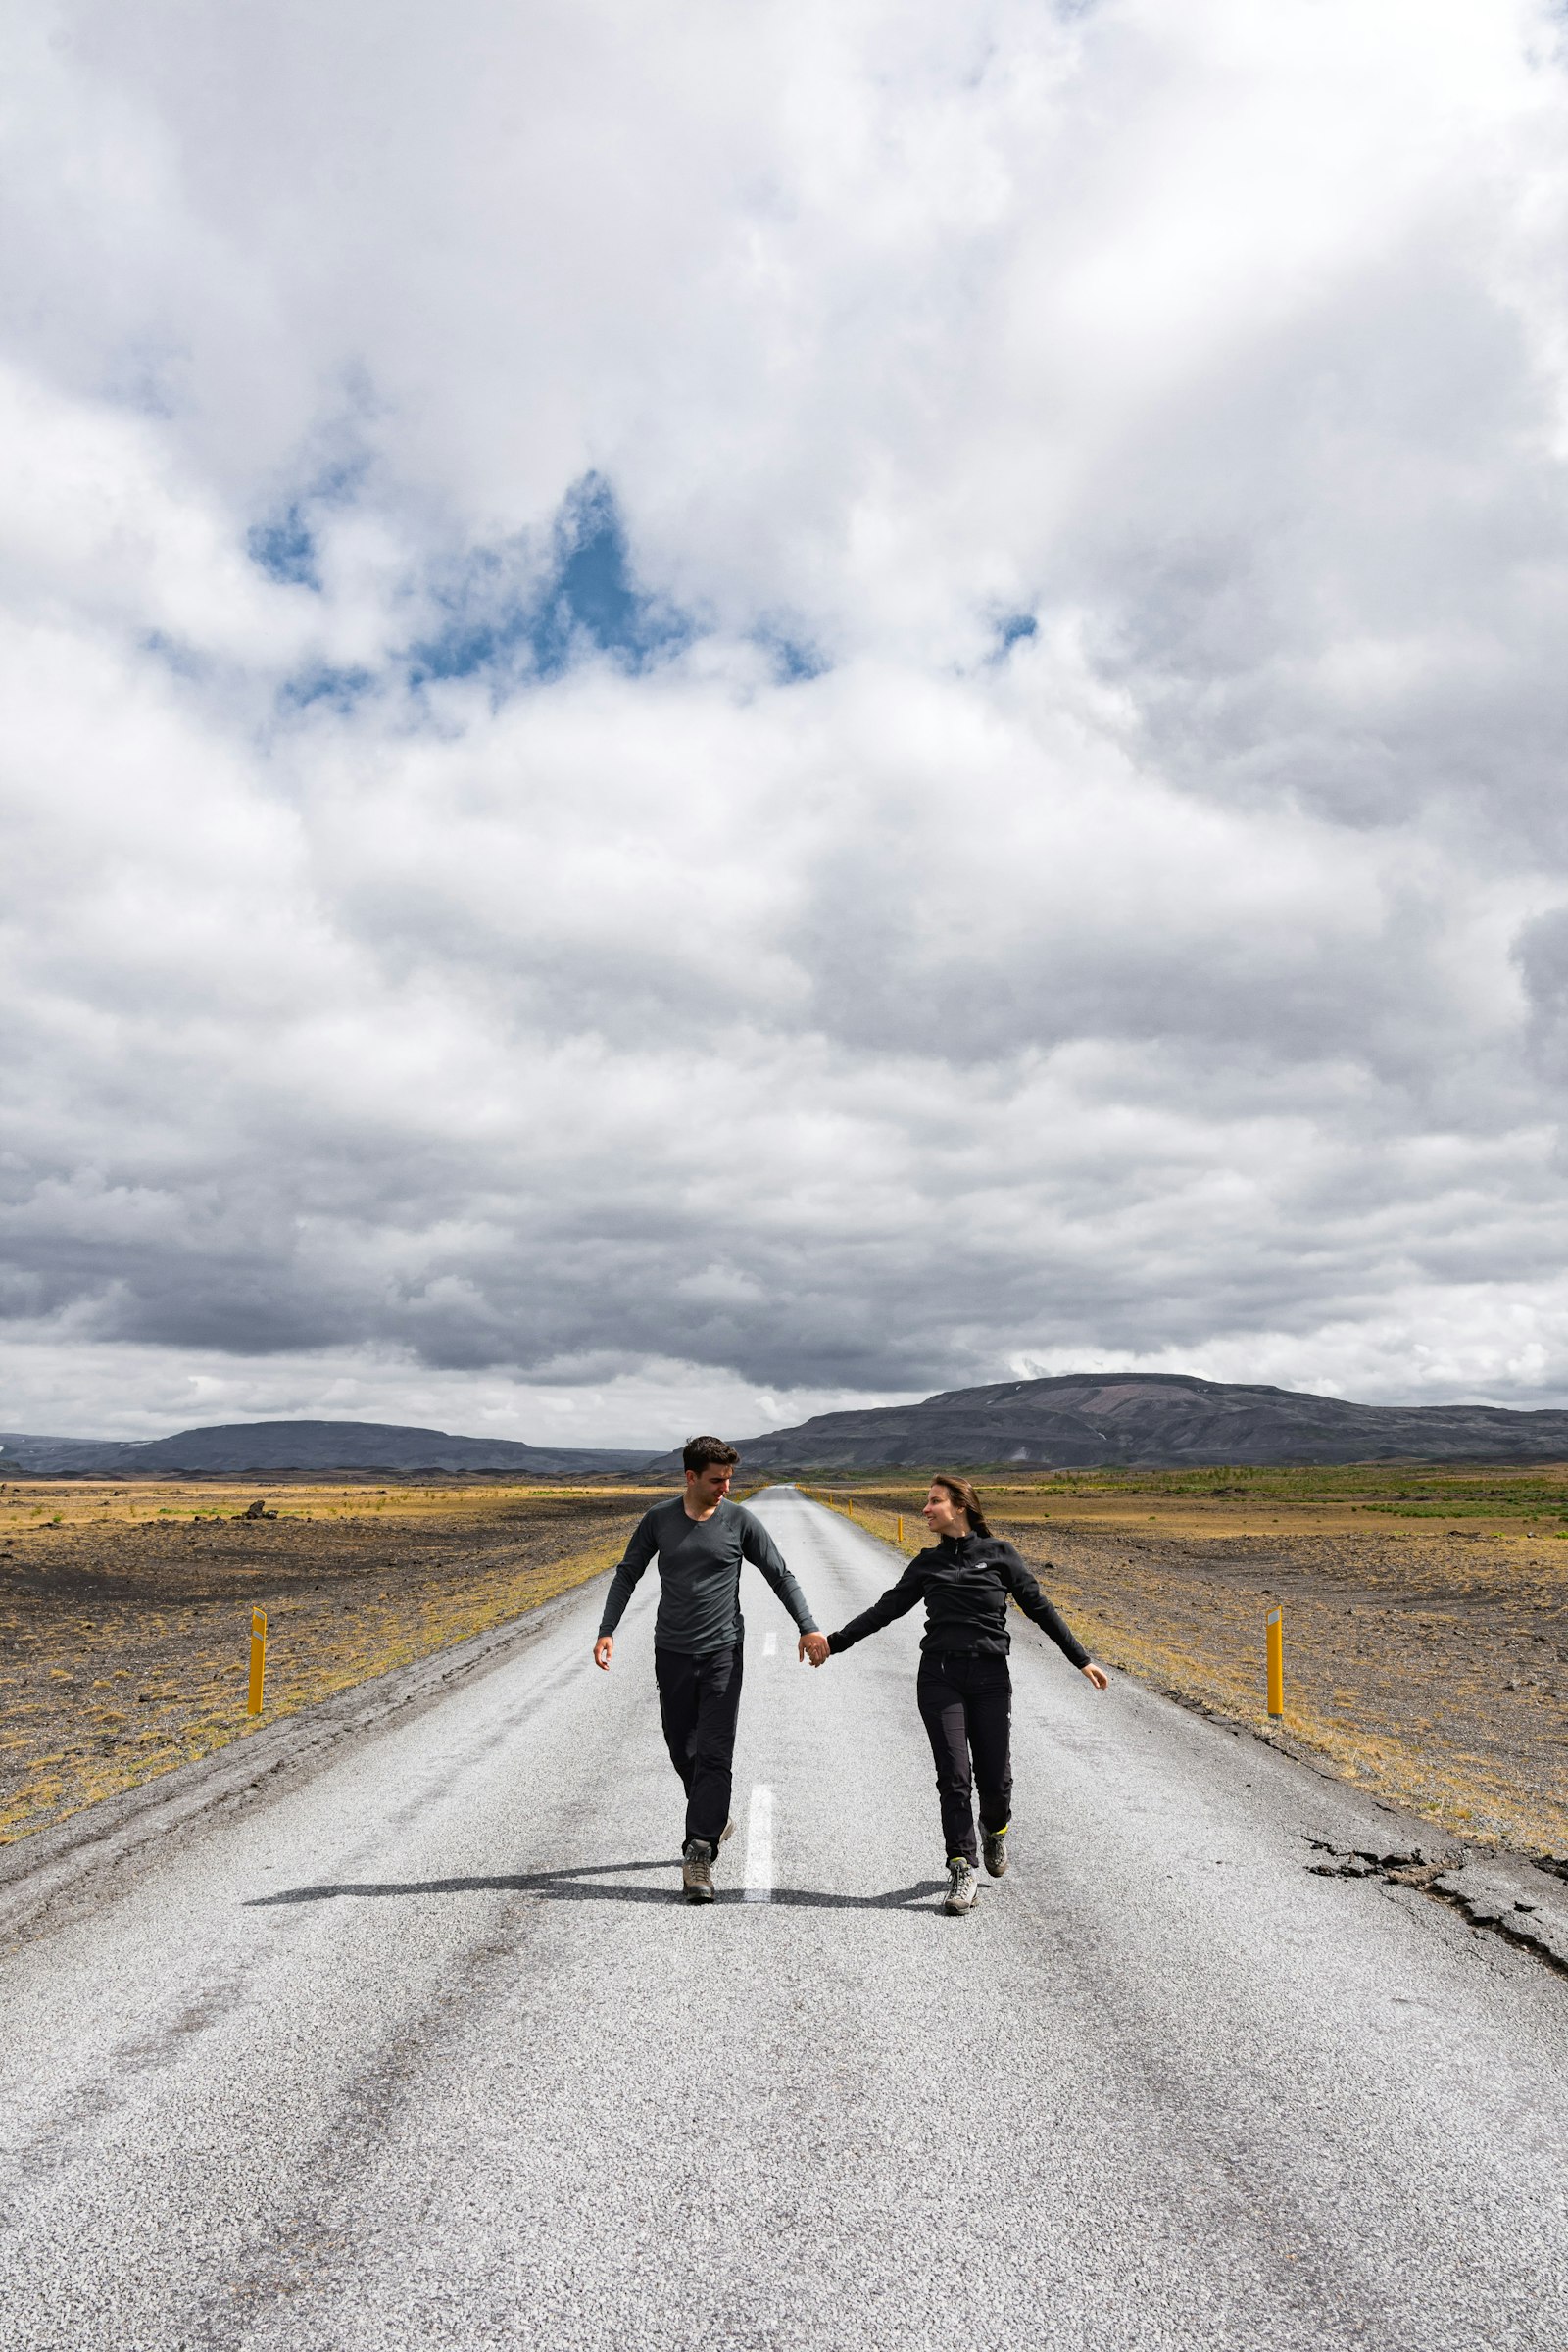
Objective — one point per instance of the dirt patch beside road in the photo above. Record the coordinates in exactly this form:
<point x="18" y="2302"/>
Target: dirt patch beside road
<point x="124" y="1613"/>
<point x="1427" y="1663"/>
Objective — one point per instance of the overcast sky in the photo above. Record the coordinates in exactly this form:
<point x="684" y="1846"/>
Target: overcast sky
<point x="714" y="710"/>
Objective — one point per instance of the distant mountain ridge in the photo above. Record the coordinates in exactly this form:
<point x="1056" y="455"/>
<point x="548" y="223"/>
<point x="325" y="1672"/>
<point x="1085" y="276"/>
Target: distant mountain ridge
<point x="274" y="1448"/>
<point x="1147" y="1420"/>
<point x="1075" y="1420"/>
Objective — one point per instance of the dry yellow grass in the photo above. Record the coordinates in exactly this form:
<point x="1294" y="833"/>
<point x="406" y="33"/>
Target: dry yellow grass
<point x="1426" y="1662"/>
<point x="125" y="1612"/>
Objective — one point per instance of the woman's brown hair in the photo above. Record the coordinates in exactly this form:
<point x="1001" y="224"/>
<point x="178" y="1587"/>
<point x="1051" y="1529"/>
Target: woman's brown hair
<point x="964" y="1495"/>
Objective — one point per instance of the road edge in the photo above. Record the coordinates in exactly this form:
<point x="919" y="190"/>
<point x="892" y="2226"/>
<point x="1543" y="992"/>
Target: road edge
<point x="86" y="1859"/>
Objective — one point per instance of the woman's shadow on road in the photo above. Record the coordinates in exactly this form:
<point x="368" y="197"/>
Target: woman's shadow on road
<point x="598" y="1882"/>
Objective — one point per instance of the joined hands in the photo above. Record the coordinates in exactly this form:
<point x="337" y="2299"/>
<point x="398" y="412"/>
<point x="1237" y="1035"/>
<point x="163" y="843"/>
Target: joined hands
<point x="813" y="1647"/>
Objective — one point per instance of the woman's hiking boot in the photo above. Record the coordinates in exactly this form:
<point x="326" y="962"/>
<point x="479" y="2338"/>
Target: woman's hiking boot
<point x="994" y="1850"/>
<point x="963" y="1884"/>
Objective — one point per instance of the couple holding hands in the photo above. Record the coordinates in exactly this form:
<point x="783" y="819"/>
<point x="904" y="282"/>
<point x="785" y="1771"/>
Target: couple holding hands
<point x="964" y="1690"/>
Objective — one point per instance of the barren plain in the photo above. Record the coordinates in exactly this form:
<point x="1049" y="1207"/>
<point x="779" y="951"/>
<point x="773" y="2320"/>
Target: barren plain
<point x="1426" y="1613"/>
<point x="125" y="1611"/>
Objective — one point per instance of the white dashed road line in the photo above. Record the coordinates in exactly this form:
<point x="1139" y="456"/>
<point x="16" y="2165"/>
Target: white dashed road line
<point x="760" y="1846"/>
<point x="770" y="1643"/>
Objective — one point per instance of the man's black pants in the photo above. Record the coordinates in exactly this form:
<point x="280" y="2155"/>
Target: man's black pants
<point x="967" y="1708"/>
<point x="699" y="1699"/>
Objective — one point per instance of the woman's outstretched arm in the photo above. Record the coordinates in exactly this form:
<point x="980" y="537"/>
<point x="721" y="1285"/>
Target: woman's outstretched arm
<point x="1024" y="1586"/>
<point x="895" y="1601"/>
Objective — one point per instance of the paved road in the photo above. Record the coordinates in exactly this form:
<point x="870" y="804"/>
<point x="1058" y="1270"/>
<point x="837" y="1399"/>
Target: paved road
<point x="426" y="2052"/>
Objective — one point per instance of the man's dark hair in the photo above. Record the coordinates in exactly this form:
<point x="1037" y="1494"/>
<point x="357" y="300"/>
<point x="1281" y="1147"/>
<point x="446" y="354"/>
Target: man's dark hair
<point x="700" y="1453"/>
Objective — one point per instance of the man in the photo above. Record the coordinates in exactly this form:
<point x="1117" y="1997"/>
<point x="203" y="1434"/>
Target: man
<point x="701" y="1539"/>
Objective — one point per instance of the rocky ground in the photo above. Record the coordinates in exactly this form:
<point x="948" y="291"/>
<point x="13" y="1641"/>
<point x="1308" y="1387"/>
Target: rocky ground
<point x="124" y="1613"/>
<point x="1425" y="1663"/>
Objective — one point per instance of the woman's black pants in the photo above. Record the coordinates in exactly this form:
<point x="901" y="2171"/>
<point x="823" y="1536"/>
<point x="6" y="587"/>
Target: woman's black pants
<point x="967" y="1708"/>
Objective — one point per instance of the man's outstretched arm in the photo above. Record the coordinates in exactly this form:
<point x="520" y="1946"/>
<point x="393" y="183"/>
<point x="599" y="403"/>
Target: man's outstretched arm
<point x="758" y="1546"/>
<point x="623" y="1584"/>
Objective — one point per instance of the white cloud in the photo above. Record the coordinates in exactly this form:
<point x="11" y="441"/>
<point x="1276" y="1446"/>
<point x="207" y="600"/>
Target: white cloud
<point x="474" y="961"/>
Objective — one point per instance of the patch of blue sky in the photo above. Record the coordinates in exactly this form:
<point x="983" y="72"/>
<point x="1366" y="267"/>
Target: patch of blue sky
<point x="287" y="547"/>
<point x="512" y="619"/>
<point x="185" y="661"/>
<point x="340" y="689"/>
<point x="1014" y="627"/>
<point x="793" y="660"/>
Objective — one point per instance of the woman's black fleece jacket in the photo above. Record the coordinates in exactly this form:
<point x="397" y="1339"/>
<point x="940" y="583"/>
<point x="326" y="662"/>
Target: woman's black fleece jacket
<point x="965" y="1582"/>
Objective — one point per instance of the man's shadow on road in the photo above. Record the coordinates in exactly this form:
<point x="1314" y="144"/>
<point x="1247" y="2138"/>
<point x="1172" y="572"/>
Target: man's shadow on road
<point x="584" y="1885"/>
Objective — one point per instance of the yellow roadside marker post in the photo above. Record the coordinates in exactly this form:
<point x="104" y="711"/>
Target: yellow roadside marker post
<point x="258" y="1660"/>
<point x="1276" y="1663"/>
<point x="901" y="1526"/>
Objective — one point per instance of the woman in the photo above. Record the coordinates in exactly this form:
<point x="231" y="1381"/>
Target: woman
<point x="964" y="1691"/>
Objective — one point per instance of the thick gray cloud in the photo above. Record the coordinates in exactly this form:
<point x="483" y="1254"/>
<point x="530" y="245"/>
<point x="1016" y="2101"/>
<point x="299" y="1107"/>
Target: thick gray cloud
<point x="713" y="714"/>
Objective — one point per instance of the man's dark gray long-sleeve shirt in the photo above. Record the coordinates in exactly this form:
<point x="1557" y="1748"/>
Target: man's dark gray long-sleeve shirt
<point x="700" y="1576"/>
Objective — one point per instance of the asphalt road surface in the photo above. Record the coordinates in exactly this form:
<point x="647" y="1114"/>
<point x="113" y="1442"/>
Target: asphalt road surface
<point x="426" y="2050"/>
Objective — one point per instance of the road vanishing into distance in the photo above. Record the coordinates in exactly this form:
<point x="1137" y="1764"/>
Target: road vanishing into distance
<point x="424" y="2048"/>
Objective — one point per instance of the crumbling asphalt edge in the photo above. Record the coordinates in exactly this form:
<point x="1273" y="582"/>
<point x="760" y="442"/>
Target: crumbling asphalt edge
<point x="1524" y="1901"/>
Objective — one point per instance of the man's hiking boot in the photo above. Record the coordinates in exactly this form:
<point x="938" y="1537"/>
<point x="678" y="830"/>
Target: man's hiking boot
<point x="963" y="1886"/>
<point x="995" y="1849"/>
<point x="697" y="1871"/>
<point x="697" y="1864"/>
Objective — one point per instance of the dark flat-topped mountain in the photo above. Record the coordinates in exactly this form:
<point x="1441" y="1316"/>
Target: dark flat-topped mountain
<point x="277" y="1448"/>
<point x="1148" y="1421"/>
